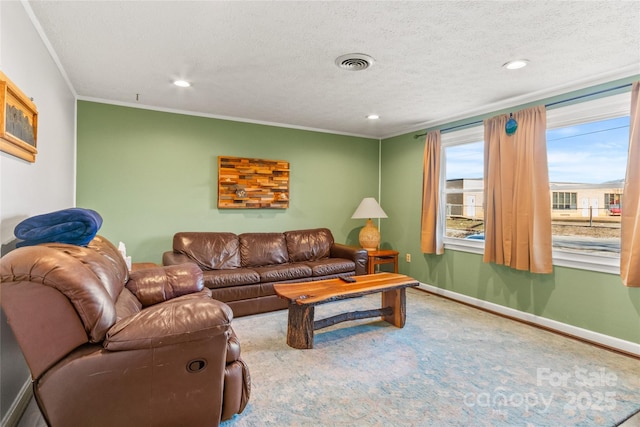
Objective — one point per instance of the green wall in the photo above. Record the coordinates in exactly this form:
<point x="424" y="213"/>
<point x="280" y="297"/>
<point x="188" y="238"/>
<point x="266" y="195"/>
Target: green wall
<point x="594" y="301"/>
<point x="151" y="174"/>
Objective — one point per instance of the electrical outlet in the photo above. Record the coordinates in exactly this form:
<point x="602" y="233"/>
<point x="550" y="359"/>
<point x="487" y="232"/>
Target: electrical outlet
<point x="407" y="257"/>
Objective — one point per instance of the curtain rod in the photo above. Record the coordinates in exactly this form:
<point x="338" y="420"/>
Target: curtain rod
<point x="551" y="104"/>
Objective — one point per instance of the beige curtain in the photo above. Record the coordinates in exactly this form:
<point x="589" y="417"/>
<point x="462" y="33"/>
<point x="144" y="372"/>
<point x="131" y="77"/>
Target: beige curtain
<point x="630" y="236"/>
<point x="516" y="191"/>
<point x="432" y="228"/>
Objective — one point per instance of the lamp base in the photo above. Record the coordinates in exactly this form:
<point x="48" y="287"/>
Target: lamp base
<point x="369" y="236"/>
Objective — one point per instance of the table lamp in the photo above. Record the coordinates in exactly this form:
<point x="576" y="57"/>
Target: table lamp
<point x="369" y="235"/>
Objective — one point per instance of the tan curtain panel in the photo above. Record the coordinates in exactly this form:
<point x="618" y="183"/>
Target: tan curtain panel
<point x="630" y="233"/>
<point x="516" y="191"/>
<point x="431" y="238"/>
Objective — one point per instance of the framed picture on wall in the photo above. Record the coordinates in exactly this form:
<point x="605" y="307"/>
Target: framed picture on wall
<point x="18" y="121"/>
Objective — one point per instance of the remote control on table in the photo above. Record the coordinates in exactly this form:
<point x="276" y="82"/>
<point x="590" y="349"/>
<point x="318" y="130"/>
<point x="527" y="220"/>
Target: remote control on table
<point x="348" y="279"/>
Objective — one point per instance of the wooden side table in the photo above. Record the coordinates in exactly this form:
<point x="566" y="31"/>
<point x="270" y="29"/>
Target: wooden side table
<point x="382" y="257"/>
<point x="142" y="265"/>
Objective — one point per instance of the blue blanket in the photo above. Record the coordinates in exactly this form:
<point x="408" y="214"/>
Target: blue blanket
<point x="75" y="226"/>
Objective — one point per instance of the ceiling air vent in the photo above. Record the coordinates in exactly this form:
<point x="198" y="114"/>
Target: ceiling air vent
<point x="354" y="61"/>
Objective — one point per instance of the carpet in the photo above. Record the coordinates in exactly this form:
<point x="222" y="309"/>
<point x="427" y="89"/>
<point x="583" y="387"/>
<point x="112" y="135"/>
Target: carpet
<point x="451" y="365"/>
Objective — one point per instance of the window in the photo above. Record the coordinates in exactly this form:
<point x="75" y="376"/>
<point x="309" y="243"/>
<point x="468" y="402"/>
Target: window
<point x="564" y="200"/>
<point x="613" y="202"/>
<point x="587" y="147"/>
<point x="464" y="187"/>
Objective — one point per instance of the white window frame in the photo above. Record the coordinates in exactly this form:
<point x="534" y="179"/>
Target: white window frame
<point x="451" y="139"/>
<point x="604" y="108"/>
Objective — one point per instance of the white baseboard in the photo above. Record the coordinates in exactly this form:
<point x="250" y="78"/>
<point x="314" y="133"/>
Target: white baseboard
<point x="584" y="334"/>
<point x="19" y="405"/>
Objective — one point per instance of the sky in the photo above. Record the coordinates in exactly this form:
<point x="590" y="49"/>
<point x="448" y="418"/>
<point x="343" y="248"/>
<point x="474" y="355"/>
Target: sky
<point x="588" y="153"/>
<point x="592" y="153"/>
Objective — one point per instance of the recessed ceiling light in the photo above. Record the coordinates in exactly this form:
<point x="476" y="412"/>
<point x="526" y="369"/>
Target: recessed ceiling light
<point x="373" y="117"/>
<point x="514" y="65"/>
<point x="181" y="83"/>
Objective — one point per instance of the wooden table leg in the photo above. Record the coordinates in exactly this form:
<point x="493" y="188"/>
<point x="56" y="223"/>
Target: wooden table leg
<point x="300" y="327"/>
<point x="395" y="298"/>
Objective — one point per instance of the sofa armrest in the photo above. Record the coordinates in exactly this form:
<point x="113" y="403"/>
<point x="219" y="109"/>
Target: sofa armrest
<point x="157" y="284"/>
<point x="178" y="321"/>
<point x="357" y="255"/>
<point x="175" y="258"/>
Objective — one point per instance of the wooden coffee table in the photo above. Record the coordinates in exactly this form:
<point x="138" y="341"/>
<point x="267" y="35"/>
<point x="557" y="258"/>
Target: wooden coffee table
<point x="304" y="296"/>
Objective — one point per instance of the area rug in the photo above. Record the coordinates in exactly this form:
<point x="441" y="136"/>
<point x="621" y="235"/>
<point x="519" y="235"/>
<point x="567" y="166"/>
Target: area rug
<point x="451" y="365"/>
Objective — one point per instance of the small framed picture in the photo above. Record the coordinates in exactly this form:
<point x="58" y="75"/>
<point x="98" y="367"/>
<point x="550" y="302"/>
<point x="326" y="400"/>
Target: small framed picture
<point x="18" y="121"/>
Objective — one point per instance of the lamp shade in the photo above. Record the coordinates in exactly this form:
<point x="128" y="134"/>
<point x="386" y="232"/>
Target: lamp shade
<point x="369" y="208"/>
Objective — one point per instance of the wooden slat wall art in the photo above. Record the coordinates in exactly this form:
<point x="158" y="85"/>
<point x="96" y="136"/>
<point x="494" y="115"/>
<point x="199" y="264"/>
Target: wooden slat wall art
<point x="252" y="183"/>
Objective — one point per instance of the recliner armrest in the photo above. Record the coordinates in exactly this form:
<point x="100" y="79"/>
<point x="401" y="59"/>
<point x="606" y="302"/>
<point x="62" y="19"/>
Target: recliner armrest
<point x="177" y="321"/>
<point x="233" y="347"/>
<point x="157" y="284"/>
<point x="357" y="255"/>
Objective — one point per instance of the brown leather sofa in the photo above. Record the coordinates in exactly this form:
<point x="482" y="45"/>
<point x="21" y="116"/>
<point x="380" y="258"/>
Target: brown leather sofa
<point x="241" y="269"/>
<point x="106" y="348"/>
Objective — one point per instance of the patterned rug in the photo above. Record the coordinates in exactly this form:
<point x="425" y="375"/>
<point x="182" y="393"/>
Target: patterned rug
<point x="451" y="365"/>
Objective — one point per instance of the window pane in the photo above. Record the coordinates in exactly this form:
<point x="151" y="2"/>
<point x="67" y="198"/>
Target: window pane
<point x="587" y="165"/>
<point x="464" y="190"/>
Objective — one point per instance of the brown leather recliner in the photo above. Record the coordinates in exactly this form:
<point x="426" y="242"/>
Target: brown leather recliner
<point x="106" y="349"/>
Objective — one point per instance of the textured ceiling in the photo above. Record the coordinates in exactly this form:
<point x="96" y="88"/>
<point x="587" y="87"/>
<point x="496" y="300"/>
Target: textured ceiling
<point x="273" y="62"/>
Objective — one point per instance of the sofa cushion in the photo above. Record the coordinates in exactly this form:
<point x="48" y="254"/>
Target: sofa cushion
<point x="308" y="245"/>
<point x="259" y="249"/>
<point x="277" y="273"/>
<point x="127" y="305"/>
<point x="214" y="279"/>
<point x="329" y="266"/>
<point x="241" y="293"/>
<point x="210" y="250"/>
